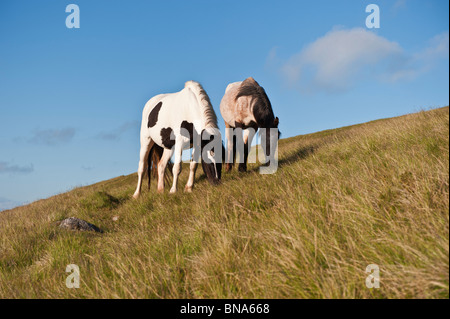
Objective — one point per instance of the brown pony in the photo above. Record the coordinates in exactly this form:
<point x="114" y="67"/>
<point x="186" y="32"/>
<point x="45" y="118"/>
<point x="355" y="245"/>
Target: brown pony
<point x="245" y="105"/>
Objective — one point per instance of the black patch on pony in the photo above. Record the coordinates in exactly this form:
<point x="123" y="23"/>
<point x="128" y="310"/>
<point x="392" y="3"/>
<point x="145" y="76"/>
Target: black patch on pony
<point x="189" y="127"/>
<point x="167" y="137"/>
<point x="153" y="116"/>
<point x="262" y="110"/>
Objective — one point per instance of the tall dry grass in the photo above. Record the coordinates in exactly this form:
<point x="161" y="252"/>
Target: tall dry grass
<point x="375" y="193"/>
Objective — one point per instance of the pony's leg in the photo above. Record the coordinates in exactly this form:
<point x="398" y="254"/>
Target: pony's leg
<point x="176" y="170"/>
<point x="146" y="145"/>
<point x="238" y="143"/>
<point x="248" y="137"/>
<point x="155" y="155"/>
<point x="231" y="152"/>
<point x="162" y="167"/>
<point x="192" y="169"/>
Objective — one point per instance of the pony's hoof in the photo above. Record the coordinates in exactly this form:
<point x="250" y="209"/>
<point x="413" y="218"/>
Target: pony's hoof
<point x="160" y="191"/>
<point x="136" y="196"/>
<point x="173" y="191"/>
<point x="188" y="189"/>
<point x="228" y="167"/>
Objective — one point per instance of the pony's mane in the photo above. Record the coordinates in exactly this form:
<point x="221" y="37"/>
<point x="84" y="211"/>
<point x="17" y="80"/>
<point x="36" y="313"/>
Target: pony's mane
<point x="205" y="103"/>
<point x="262" y="109"/>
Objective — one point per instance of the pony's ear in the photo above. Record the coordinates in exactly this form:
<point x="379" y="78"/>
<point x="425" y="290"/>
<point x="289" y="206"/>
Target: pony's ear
<point x="276" y="121"/>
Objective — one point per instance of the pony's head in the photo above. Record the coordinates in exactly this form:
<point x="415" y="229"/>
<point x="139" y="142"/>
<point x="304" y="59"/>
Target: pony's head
<point x="213" y="152"/>
<point x="271" y="135"/>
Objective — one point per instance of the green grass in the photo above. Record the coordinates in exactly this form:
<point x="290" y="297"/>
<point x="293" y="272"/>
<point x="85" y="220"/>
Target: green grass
<point x="374" y="193"/>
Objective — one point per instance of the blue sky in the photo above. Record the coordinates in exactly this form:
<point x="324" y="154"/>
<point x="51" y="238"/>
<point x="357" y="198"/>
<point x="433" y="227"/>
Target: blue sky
<point x="71" y="99"/>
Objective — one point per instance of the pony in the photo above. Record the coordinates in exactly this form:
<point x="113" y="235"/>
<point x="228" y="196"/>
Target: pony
<point x="245" y="105"/>
<point x="174" y="122"/>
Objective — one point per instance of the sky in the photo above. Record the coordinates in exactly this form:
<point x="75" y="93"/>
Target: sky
<point x="71" y="99"/>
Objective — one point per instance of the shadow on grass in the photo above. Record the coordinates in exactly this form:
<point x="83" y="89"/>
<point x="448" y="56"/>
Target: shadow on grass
<point x="101" y="200"/>
<point x="299" y="154"/>
<point x="295" y="156"/>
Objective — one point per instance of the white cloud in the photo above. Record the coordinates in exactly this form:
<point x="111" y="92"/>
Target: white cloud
<point x="52" y="137"/>
<point x="342" y="57"/>
<point x="6" y="167"/>
<point x="335" y="60"/>
<point x="423" y="61"/>
<point x="115" y="134"/>
<point x="437" y="49"/>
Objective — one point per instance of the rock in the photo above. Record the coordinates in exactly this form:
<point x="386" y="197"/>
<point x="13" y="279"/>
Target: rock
<point x="74" y="223"/>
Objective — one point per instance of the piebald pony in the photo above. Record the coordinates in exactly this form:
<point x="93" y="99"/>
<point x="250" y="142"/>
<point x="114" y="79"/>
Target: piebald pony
<point x="172" y="122"/>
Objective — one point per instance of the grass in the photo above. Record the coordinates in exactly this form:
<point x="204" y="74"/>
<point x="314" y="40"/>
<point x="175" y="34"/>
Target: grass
<point x="375" y="193"/>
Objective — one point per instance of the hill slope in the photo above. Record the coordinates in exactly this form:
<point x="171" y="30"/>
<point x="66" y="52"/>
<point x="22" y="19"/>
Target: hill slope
<point x="375" y="193"/>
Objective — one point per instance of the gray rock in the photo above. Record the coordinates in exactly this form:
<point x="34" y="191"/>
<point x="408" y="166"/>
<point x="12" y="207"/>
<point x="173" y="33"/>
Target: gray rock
<point x="74" y="223"/>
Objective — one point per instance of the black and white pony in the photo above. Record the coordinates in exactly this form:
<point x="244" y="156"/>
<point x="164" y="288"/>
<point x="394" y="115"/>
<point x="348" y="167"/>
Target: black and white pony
<point x="177" y="121"/>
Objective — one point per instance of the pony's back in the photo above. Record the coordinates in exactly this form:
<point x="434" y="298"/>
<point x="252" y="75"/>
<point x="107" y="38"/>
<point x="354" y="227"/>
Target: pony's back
<point x="204" y="102"/>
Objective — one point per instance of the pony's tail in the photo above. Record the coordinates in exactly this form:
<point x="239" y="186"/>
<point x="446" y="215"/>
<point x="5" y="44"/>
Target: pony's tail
<point x="154" y="157"/>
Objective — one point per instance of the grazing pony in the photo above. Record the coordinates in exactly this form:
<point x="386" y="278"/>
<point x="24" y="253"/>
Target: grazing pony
<point x="245" y="105"/>
<point x="174" y="122"/>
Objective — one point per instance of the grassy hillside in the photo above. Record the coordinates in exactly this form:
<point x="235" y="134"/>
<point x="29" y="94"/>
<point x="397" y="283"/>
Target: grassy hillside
<point x="375" y="193"/>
